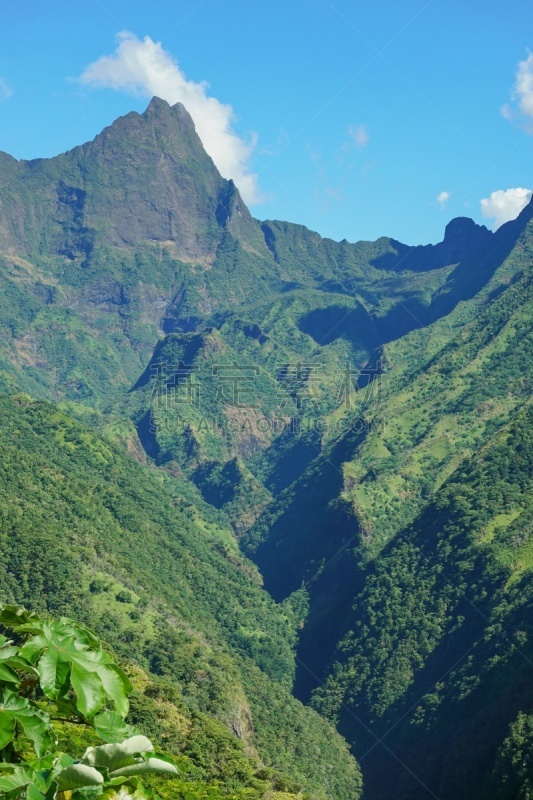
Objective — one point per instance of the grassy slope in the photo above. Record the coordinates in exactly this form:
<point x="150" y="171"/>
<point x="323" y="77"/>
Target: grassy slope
<point x="448" y="390"/>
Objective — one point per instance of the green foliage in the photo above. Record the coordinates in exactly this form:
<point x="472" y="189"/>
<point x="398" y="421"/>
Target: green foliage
<point x="448" y="606"/>
<point x="361" y="533"/>
<point x="64" y="662"/>
<point x="513" y="773"/>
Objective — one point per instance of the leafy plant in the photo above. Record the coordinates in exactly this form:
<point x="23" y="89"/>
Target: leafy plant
<point x="60" y="667"/>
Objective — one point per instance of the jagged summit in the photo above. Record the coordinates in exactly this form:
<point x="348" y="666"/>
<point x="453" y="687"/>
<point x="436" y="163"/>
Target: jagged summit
<point x="158" y="104"/>
<point x="461" y="236"/>
<point x="160" y="107"/>
<point x="146" y="178"/>
<point x="160" y="113"/>
<point x="462" y="228"/>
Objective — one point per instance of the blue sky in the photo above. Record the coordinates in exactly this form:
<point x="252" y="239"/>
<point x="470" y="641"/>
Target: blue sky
<point x="349" y="117"/>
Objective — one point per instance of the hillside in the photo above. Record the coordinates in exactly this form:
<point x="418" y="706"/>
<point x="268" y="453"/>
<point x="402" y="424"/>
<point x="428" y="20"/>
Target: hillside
<point x="88" y="532"/>
<point x="436" y="656"/>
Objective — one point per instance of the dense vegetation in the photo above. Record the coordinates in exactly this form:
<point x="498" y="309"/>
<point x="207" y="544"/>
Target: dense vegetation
<point x="441" y="632"/>
<point x="354" y="418"/>
<point x="128" y="554"/>
<point x="55" y="673"/>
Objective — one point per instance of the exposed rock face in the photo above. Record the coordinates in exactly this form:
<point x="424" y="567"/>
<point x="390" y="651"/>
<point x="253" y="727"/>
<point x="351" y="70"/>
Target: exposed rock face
<point x="461" y="237"/>
<point x="145" y="178"/>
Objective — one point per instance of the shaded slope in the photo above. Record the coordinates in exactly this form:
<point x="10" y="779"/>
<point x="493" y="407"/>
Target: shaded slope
<point x="437" y="659"/>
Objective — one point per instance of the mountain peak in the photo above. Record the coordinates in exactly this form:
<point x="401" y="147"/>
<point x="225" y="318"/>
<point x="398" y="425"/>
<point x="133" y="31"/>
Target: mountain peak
<point x="158" y="105"/>
<point x="461" y="236"/>
<point x="161" y="127"/>
<point x="146" y="178"/>
<point x="461" y="227"/>
<point x="160" y="109"/>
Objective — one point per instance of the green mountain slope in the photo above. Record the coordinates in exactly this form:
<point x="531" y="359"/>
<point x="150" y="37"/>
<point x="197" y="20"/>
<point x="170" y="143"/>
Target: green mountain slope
<point x="345" y="520"/>
<point x="425" y="416"/>
<point x="130" y="255"/>
<point x="86" y="530"/>
<point x="436" y="660"/>
<point x="107" y="248"/>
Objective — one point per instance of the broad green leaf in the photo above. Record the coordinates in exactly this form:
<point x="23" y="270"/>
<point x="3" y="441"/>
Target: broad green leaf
<point x="13" y="616"/>
<point x="33" y="793"/>
<point x="15" y="780"/>
<point x="89" y="690"/>
<point x="143" y="767"/>
<point x="117" y="781"/>
<point x="179" y="766"/>
<point x="7" y="728"/>
<point x="8" y="675"/>
<point x="7" y="652"/>
<point x="112" y="756"/>
<point x="61" y="763"/>
<point x="111" y="727"/>
<point x="15" y="662"/>
<point x="63" y="677"/>
<point x="67" y="654"/>
<point x="91" y="660"/>
<point x="136" y="744"/>
<point x="36" y="728"/>
<point x="31" y="627"/>
<point x="44" y="764"/>
<point x="47" y="667"/>
<point x="54" y="673"/>
<point x="114" y="688"/>
<point x="128" y="688"/>
<point x="88" y="635"/>
<point x="11" y="701"/>
<point x="34" y="721"/>
<point x="78" y="775"/>
<point x="33" y="648"/>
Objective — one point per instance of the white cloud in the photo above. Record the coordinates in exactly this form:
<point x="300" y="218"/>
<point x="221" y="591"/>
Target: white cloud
<point x="144" y="67"/>
<point x="523" y="90"/>
<point x="443" y="198"/>
<point x="504" y="205"/>
<point x="522" y="96"/>
<point x="359" y="135"/>
<point x="5" y="90"/>
<point x="507" y="112"/>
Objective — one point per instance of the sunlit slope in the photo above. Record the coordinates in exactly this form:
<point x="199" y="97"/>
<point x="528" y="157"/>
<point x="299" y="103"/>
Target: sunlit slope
<point x="437" y="655"/>
<point x="89" y="532"/>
